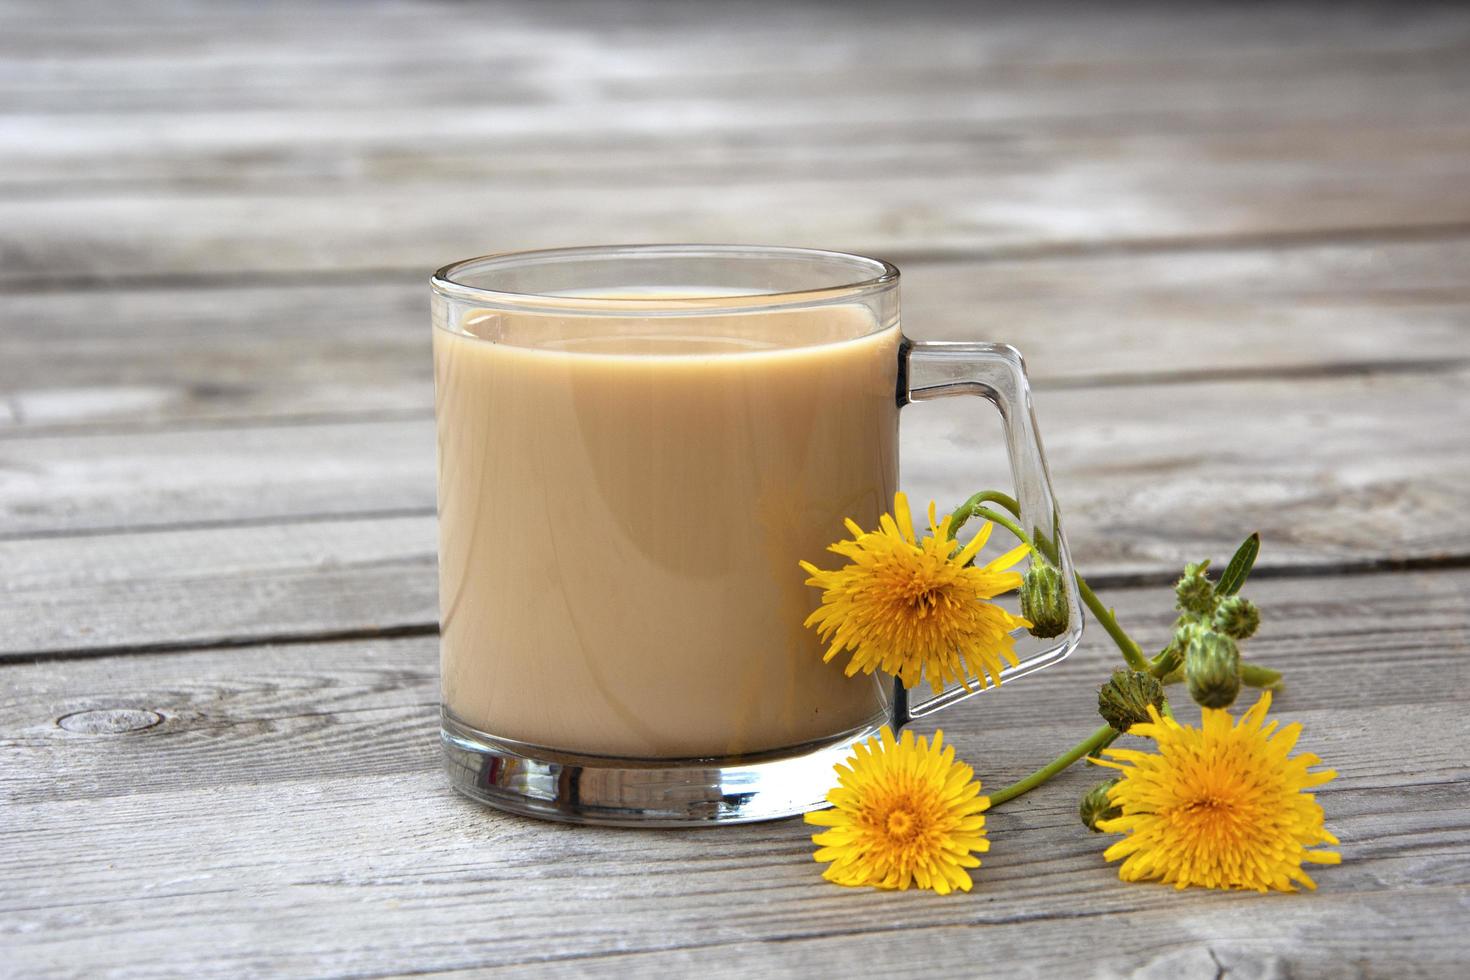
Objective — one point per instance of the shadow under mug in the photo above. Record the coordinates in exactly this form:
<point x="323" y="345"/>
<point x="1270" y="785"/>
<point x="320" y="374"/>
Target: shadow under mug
<point x="637" y="444"/>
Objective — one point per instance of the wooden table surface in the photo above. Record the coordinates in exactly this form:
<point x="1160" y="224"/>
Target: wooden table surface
<point x="1234" y="244"/>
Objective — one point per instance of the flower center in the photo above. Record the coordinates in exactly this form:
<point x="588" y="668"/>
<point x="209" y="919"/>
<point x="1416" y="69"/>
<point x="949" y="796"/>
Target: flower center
<point x="1209" y="806"/>
<point x="900" y="823"/>
<point x="1213" y="816"/>
<point x="924" y="595"/>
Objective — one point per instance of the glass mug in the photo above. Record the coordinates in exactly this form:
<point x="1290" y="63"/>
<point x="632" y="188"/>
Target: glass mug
<point x="637" y="444"/>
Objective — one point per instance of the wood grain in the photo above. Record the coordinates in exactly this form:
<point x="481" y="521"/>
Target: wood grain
<point x="216" y="586"/>
<point x="294" y="878"/>
<point x="162" y="356"/>
<point x="1168" y="188"/>
<point x="335" y="743"/>
<point x="1399" y="938"/>
<point x="504" y="53"/>
<point x="976" y="140"/>
<point x="253" y="705"/>
<point x="83" y="358"/>
<point x="167" y="589"/>
<point x="1207" y="461"/>
<point x="517" y="127"/>
<point x="547" y="115"/>
<point x="1232" y="244"/>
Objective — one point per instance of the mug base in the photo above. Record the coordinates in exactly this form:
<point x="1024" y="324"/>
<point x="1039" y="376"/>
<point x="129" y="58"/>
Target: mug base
<point x="539" y="782"/>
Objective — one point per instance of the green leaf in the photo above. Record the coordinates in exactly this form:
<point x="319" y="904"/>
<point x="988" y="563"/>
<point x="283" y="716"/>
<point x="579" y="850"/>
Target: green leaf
<point x="1240" y="566"/>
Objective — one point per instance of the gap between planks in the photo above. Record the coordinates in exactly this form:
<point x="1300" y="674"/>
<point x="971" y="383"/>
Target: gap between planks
<point x="1304" y="372"/>
<point x="1292" y="372"/>
<point x="1147" y="942"/>
<point x="1007" y="252"/>
<point x="1375" y="452"/>
<point x="340" y="749"/>
<point x="216" y="777"/>
<point x="1116" y="582"/>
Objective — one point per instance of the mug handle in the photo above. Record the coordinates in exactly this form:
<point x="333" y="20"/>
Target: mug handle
<point x="934" y="369"/>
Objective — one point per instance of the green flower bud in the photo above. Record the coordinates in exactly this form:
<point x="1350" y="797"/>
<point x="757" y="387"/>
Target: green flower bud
<point x="1124" y="700"/>
<point x="1196" y="594"/>
<point x="1237" y="617"/>
<point x="1212" y="668"/>
<point x="1096" y="806"/>
<point x="1184" y="630"/>
<point x="1044" y="600"/>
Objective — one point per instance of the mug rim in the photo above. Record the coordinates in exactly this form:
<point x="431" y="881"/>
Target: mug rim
<point x="882" y="274"/>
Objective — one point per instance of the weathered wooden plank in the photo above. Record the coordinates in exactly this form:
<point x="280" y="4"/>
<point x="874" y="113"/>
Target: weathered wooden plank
<point x="218" y="585"/>
<point x="507" y="53"/>
<point x="1391" y="936"/>
<point x="152" y="30"/>
<point x="381" y="868"/>
<point x="284" y="813"/>
<point x="1167" y="187"/>
<point x="1337" y="628"/>
<point x="388" y="875"/>
<point x="223" y="585"/>
<point x="1236" y="131"/>
<point x="1329" y="469"/>
<point x="231" y="715"/>
<point x="160" y="355"/>
<point x="163" y="355"/>
<point x="552" y="122"/>
<point x="230" y="475"/>
<point x="1165" y="471"/>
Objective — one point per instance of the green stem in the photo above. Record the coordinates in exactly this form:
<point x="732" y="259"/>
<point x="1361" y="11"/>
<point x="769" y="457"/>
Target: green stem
<point x="1131" y="651"/>
<point x="1087" y="746"/>
<point x="966" y="510"/>
<point x="1004" y="522"/>
<point x="1250" y="674"/>
<point x="1105" y="743"/>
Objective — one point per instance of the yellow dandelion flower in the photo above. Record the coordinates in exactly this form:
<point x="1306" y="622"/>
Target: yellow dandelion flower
<point x="912" y="608"/>
<point x="903" y="813"/>
<point x="1220" y="806"/>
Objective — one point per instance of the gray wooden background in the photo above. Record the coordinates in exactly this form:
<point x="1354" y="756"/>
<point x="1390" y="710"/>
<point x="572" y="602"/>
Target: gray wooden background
<point x="1234" y="243"/>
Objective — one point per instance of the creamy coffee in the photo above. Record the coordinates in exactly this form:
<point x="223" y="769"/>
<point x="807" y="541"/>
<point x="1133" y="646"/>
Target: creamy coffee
<point x="623" y="501"/>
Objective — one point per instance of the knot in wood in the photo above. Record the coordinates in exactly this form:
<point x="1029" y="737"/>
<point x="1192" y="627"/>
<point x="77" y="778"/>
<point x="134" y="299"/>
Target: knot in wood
<point x="109" y="721"/>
